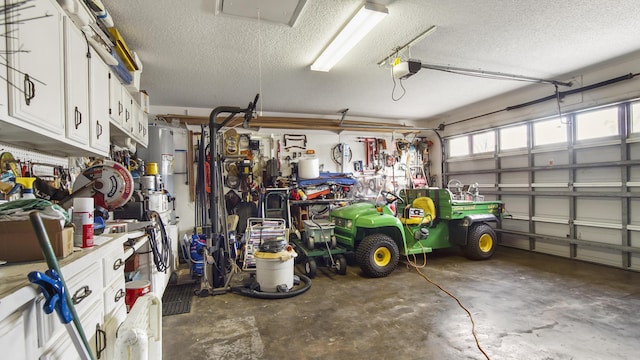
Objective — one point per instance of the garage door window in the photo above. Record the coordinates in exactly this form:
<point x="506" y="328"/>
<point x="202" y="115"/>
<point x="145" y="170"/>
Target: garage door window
<point x="484" y="142"/>
<point x="552" y="131"/>
<point x="597" y="124"/>
<point x="459" y="146"/>
<point x="635" y="118"/>
<point x="514" y="137"/>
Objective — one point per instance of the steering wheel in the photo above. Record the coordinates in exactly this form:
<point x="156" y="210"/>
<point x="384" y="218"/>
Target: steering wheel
<point x="454" y="184"/>
<point x="391" y="197"/>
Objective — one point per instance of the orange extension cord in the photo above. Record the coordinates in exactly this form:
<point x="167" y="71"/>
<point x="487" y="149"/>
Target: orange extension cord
<point x="413" y="264"/>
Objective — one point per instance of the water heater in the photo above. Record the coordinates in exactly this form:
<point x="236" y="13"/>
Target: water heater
<point x="161" y="150"/>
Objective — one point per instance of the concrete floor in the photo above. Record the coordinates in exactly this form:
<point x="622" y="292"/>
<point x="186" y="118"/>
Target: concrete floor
<point x="525" y="306"/>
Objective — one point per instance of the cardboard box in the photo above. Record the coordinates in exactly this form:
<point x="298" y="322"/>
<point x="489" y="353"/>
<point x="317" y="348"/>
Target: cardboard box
<point x="18" y="241"/>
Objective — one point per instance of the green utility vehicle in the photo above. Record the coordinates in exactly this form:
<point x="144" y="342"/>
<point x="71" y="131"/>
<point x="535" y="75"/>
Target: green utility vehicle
<point x="428" y="219"/>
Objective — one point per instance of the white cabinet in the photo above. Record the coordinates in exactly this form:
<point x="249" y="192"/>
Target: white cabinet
<point x="99" y="130"/>
<point x="127" y="116"/>
<point x="76" y="70"/>
<point x="95" y="279"/>
<point x="141" y="122"/>
<point x="35" y="68"/>
<point x="18" y="333"/>
<point x="116" y="106"/>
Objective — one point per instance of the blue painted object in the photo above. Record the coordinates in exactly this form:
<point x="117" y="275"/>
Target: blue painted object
<point x="54" y="291"/>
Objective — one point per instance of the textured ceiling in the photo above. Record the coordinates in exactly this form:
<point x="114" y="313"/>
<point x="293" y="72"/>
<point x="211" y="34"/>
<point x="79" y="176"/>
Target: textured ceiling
<point x="194" y="57"/>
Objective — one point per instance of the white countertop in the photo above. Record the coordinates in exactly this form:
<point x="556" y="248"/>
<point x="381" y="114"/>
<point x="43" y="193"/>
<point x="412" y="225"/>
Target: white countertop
<point x="15" y="288"/>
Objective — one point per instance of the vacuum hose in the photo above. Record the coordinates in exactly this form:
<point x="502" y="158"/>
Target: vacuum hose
<point x="252" y="292"/>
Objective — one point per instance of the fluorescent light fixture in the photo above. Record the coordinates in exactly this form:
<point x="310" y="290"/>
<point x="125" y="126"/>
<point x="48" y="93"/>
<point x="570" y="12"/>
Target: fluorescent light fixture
<point x="364" y="21"/>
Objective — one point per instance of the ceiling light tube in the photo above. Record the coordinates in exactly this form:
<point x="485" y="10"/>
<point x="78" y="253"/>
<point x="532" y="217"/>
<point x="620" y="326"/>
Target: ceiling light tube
<point x="356" y="29"/>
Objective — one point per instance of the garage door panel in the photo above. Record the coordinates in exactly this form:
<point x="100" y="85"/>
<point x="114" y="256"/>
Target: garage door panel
<point x="516" y="225"/>
<point x="635" y="261"/>
<point x="598" y="154"/>
<point x="558" y="230"/>
<point x="470" y="165"/>
<point x="514" y="178"/>
<point x="515" y="161"/>
<point x="599" y="235"/>
<point x="634" y="211"/>
<point x="552" y="248"/>
<point x="551" y="176"/>
<point x="515" y="241"/>
<point x="599" y="210"/>
<point x="551" y="158"/>
<point x="596" y="175"/>
<point x="634" y="151"/>
<point x="516" y="205"/>
<point x="546" y="206"/>
<point x="599" y="255"/>
<point x="634" y="236"/>
<point x="634" y="174"/>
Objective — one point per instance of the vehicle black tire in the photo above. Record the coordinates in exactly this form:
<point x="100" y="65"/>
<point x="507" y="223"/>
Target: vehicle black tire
<point x="377" y="255"/>
<point x="310" y="268"/>
<point x="481" y="242"/>
<point x="341" y="264"/>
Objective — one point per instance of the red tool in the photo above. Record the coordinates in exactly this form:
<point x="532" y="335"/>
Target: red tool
<point x="371" y="149"/>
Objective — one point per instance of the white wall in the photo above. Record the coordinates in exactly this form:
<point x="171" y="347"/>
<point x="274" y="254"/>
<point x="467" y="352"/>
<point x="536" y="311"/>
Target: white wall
<point x="320" y="141"/>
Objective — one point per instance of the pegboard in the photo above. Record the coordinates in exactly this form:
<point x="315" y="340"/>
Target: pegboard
<point x="43" y="163"/>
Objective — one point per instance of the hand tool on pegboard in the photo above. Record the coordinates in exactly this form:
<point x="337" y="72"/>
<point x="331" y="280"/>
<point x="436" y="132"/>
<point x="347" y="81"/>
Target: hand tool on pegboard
<point x="289" y="138"/>
<point x="371" y="150"/>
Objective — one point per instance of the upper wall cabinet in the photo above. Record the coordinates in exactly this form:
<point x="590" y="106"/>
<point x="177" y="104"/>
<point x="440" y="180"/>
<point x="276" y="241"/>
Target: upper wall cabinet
<point x="76" y="85"/>
<point x="99" y="129"/>
<point x="35" y="68"/>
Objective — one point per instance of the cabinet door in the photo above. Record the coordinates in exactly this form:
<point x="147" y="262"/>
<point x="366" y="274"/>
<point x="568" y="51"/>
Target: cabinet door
<point x="64" y="349"/>
<point x="127" y="116"/>
<point x="76" y="72"/>
<point x="143" y="124"/>
<point x="98" y="103"/>
<point x="35" y="70"/>
<point x="116" y="106"/>
<point x="18" y="340"/>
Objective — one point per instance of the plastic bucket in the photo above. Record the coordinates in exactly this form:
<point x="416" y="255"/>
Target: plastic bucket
<point x="275" y="270"/>
<point x="135" y="289"/>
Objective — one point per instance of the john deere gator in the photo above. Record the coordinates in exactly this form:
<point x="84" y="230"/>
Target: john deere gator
<point x="428" y="219"/>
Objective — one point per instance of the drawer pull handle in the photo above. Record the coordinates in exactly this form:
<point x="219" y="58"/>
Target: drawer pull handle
<point x="78" y="117"/>
<point x="119" y="295"/>
<point x="81" y="294"/>
<point x="29" y="89"/>
<point x="118" y="264"/>
<point x="101" y="341"/>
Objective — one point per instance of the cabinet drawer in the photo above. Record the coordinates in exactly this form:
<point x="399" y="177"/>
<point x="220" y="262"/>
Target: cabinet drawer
<point x="85" y="287"/>
<point x="113" y="265"/>
<point x="114" y="295"/>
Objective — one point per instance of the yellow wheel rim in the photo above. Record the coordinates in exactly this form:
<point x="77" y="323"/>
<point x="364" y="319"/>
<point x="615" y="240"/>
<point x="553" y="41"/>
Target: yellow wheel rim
<point x="382" y="256"/>
<point x="486" y="243"/>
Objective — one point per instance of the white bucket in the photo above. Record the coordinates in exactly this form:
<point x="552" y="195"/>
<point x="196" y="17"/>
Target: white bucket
<point x="308" y="168"/>
<point x="275" y="269"/>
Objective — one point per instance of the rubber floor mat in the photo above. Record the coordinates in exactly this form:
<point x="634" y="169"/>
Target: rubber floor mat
<point x="177" y="299"/>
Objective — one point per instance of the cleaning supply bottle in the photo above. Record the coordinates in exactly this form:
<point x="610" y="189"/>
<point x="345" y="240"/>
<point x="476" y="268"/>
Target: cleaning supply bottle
<point x="27" y="186"/>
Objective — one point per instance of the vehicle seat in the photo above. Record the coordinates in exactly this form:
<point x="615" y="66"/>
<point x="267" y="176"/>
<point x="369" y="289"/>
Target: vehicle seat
<point x="424" y="203"/>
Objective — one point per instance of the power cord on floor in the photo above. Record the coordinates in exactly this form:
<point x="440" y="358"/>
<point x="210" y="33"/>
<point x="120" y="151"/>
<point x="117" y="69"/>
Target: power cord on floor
<point x="413" y="264"/>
